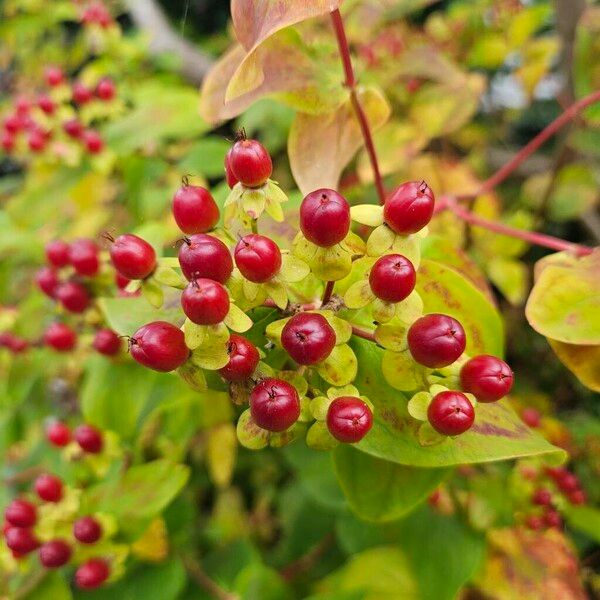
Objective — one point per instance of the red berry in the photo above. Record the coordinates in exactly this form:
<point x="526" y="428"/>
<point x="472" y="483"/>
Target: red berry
<point x="577" y="497"/>
<point x="194" y="209"/>
<point x="105" y="90"/>
<point x="47" y="280"/>
<point x="92" y="574"/>
<point x="21" y="540"/>
<point x="308" y="338"/>
<point x="436" y="340"/>
<point x="22" y="105"/>
<point x="531" y="417"/>
<point x="83" y="255"/>
<point x="57" y="253"/>
<point x="250" y="163"/>
<point x="49" y="488"/>
<point x="450" y="413"/>
<point x="159" y="346"/>
<point x="36" y="140"/>
<point x="73" y="296"/>
<point x="349" y="419"/>
<point x="392" y="278"/>
<point x="55" y="554"/>
<point x="58" y="434"/>
<point x="107" y="342"/>
<point x="96" y="14"/>
<point x="204" y="256"/>
<point x="486" y="377"/>
<point x="568" y="482"/>
<point x="553" y="519"/>
<point x="133" y="257"/>
<point x="325" y="217"/>
<point x="542" y="497"/>
<point x="534" y="522"/>
<point x="81" y="93"/>
<point x="205" y="302"/>
<point x="54" y="75"/>
<point x="13" y="123"/>
<point x="60" y="337"/>
<point x="93" y="141"/>
<point x="229" y="176"/>
<point x="87" y="530"/>
<point x="7" y="141"/>
<point x="257" y="257"/>
<point x="16" y="344"/>
<point x="274" y="404"/>
<point x="121" y="281"/>
<point x="243" y="359"/>
<point x="46" y="104"/>
<point x="89" y="439"/>
<point x="73" y="128"/>
<point x="409" y="208"/>
<point x="555" y="473"/>
<point x="21" y="513"/>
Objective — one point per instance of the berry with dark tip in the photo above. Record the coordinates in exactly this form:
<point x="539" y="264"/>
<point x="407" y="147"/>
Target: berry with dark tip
<point x="205" y="302"/>
<point x="159" y="346"/>
<point x="49" y="488"/>
<point x="107" y="342"/>
<point x="92" y="574"/>
<point x="55" y="554"/>
<point x="436" y="340"/>
<point x="87" y="530"/>
<point x="392" y="278"/>
<point x="243" y="359"/>
<point x="274" y="404"/>
<point x="194" y="209"/>
<point x="257" y="257"/>
<point x="60" y="337"/>
<point x="204" y="256"/>
<point x="73" y="296"/>
<point x="83" y="255"/>
<point x="409" y="208"/>
<point x="349" y="419"/>
<point x="21" y="513"/>
<point x="47" y="280"/>
<point x="486" y="377"/>
<point x="308" y="338"/>
<point x="57" y="253"/>
<point x="250" y="163"/>
<point x="89" y="439"/>
<point x="325" y="217"/>
<point x="450" y="413"/>
<point x="132" y="256"/>
<point x="58" y="434"/>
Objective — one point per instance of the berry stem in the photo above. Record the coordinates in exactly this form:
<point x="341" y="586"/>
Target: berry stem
<point x="254" y="225"/>
<point x="350" y="83"/>
<point x="363" y="333"/>
<point x="328" y="292"/>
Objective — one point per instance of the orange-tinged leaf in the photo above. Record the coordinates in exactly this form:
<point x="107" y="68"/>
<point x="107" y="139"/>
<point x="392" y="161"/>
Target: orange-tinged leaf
<point x="582" y="361"/>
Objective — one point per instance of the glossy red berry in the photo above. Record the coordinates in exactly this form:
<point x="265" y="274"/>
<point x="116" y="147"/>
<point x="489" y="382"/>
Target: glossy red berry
<point x="53" y="75"/>
<point x="73" y="128"/>
<point x="7" y="141"/>
<point x="89" y="439"/>
<point x="531" y="417"/>
<point x="542" y="497"/>
<point x="47" y="280"/>
<point x="568" y="482"/>
<point x="204" y="256"/>
<point x="194" y="209"/>
<point x="22" y="105"/>
<point x="325" y="217"/>
<point x="36" y="140"/>
<point x="243" y="359"/>
<point x="49" y="488"/>
<point x="229" y="176"/>
<point x="107" y="342"/>
<point x="57" y="253"/>
<point x="132" y="256"/>
<point x="436" y="340"/>
<point x="60" y="337"/>
<point x="21" y="540"/>
<point x="308" y="338"/>
<point x="450" y="413"/>
<point x="20" y="513"/>
<point x="159" y="346"/>
<point x="250" y="163"/>
<point x="553" y="519"/>
<point x="55" y="554"/>
<point x="87" y="530"/>
<point x="205" y="302"/>
<point x="81" y="93"/>
<point x="121" y="281"/>
<point x="577" y="497"/>
<point x="257" y="257"/>
<point x="409" y="208"/>
<point x="46" y="104"/>
<point x="93" y="141"/>
<point x="58" y="434"/>
<point x="73" y="296"/>
<point x="92" y="574"/>
<point x="392" y="278"/>
<point x="83" y="255"/>
<point x="274" y="404"/>
<point x="13" y="123"/>
<point x="486" y="377"/>
<point x="106" y="90"/>
<point x="349" y="419"/>
<point x="96" y="13"/>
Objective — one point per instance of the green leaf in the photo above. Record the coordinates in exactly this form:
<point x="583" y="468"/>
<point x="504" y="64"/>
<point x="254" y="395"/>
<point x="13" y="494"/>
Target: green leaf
<point x="340" y="367"/>
<point x="52" y="587"/>
<point x="259" y="582"/>
<point x="378" y="490"/>
<point x="585" y="519"/>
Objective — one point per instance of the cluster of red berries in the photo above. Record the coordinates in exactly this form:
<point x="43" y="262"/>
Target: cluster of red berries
<point x="96" y="13"/>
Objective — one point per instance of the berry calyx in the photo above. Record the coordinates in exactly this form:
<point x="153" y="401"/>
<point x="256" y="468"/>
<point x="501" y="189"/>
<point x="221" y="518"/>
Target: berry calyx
<point x="436" y="340"/>
<point x="308" y="338"/>
<point x="58" y="434"/>
<point x="274" y="404"/>
<point x="205" y="302"/>
<point x="93" y="141"/>
<point x="87" y="530"/>
<point x="55" y="554"/>
<point x="73" y="296"/>
<point x="21" y="540"/>
<point x="73" y="128"/>
<point x="243" y="359"/>
<point x="60" y="337"/>
<point x="392" y="278"/>
<point x="83" y="255"/>
<point x="49" y="488"/>
<point x="92" y="574"/>
<point x="194" y="209"/>
<point x="107" y="342"/>
<point x="106" y="90"/>
<point x="57" y="253"/>
<point x="132" y="256"/>
<point x="450" y="413"/>
<point x="486" y="377"/>
<point x="257" y="257"/>
<point x="21" y="513"/>
<point x="204" y="256"/>
<point x="542" y="497"/>
<point x="159" y="346"/>
<point x="325" y="217"/>
<point x="229" y="176"/>
<point x="47" y="280"/>
<point x="349" y="419"/>
<point x="250" y="163"/>
<point x="89" y="439"/>
<point x="409" y="208"/>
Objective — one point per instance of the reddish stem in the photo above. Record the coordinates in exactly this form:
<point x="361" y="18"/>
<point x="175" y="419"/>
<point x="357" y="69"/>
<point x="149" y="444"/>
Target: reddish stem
<point x="328" y="292"/>
<point x="364" y="333"/>
<point x="350" y="83"/>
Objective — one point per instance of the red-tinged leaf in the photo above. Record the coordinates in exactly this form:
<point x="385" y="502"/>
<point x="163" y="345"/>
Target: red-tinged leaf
<point x="319" y="147"/>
